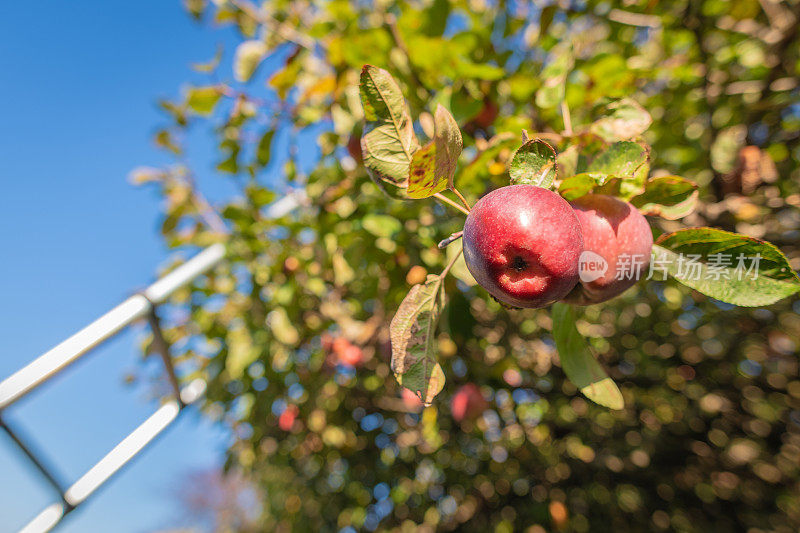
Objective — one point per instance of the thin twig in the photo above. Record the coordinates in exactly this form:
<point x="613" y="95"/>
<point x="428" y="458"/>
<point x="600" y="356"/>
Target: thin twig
<point x="450" y="202"/>
<point x="444" y="243"/>
<point x="566" y="116"/>
<point x="450" y="265"/>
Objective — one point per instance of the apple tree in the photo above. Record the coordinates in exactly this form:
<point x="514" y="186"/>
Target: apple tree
<point x="370" y="382"/>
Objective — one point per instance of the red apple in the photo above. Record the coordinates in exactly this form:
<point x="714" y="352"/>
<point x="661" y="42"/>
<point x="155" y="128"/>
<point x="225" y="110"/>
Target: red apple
<point x="618" y="241"/>
<point x="467" y="403"/>
<point x="287" y="418"/>
<point x="522" y="244"/>
<point x="346" y="353"/>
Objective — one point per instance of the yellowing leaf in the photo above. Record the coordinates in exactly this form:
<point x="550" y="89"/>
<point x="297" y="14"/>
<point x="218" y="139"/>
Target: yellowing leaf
<point x="433" y="166"/>
<point x="202" y="100"/>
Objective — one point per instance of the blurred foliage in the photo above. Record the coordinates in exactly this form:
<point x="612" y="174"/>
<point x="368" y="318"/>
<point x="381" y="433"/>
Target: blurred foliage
<point x="710" y="436"/>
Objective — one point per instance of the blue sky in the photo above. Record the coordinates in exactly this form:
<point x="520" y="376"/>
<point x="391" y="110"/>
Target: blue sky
<point x="77" y="100"/>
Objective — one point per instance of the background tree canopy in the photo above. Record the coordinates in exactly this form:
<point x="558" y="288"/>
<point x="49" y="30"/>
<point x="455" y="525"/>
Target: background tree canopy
<point x="710" y="435"/>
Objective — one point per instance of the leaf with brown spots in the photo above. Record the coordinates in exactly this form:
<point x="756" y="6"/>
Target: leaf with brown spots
<point x="434" y="165"/>
<point x="412" y="333"/>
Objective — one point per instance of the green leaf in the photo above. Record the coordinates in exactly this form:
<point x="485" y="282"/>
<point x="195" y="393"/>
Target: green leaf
<point x="581" y="184"/>
<point x="626" y="160"/>
<point x="670" y="197"/>
<point x="621" y="159"/>
<point x="567" y="162"/>
<point x="577" y="361"/>
<point x="381" y="225"/>
<point x="555" y="74"/>
<point x="433" y="166"/>
<point x="203" y="100"/>
<point x="534" y="163"/>
<point x="263" y="148"/>
<point x="732" y="268"/>
<point x="247" y="58"/>
<point x="626" y="120"/>
<point x="412" y="334"/>
<point x="388" y="141"/>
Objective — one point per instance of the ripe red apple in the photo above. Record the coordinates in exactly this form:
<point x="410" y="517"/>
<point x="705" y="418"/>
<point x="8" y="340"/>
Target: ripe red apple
<point x="467" y="403"/>
<point x="522" y="244"/>
<point x="618" y="241"/>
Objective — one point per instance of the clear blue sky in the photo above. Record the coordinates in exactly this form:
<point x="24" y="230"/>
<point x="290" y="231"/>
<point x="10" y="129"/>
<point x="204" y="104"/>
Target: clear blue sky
<point x="77" y="110"/>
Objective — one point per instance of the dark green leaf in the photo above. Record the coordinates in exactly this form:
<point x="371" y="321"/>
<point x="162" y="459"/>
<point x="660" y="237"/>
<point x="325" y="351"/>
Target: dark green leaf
<point x="578" y="363"/>
<point x="534" y="163"/>
<point x="732" y="268"/>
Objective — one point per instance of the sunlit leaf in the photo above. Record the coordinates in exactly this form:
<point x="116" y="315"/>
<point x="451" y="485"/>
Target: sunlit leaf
<point x="579" y="364"/>
<point x="625" y="120"/>
<point x="203" y="100"/>
<point x="581" y="184"/>
<point x="381" y="225"/>
<point x="732" y="268"/>
<point x="670" y="197"/>
<point x="534" y="164"/>
<point x="388" y="141"/>
<point x="412" y="333"/>
<point x="627" y="160"/>
<point x="247" y="58"/>
<point x="433" y="166"/>
<point x="555" y="74"/>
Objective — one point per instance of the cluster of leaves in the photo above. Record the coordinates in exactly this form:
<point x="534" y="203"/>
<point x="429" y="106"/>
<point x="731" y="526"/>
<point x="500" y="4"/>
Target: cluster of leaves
<point x="708" y="436"/>
<point x="619" y="167"/>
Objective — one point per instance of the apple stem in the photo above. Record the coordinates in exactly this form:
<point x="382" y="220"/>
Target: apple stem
<point x="450" y="265"/>
<point x="453" y="237"/>
<point x="450" y="202"/>
<point x="463" y="200"/>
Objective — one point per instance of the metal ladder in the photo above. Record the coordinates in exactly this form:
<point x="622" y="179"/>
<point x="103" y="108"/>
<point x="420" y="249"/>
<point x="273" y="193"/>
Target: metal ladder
<point x="139" y="306"/>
